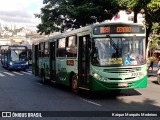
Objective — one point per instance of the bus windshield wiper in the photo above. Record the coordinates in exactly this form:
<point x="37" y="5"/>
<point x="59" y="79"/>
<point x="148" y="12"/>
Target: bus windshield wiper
<point x="113" y="44"/>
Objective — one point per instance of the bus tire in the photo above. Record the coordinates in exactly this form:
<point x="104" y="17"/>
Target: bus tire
<point x="74" y="84"/>
<point x="158" y="79"/>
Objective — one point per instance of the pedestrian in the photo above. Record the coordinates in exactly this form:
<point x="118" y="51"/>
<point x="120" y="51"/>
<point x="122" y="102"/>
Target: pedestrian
<point x="151" y="65"/>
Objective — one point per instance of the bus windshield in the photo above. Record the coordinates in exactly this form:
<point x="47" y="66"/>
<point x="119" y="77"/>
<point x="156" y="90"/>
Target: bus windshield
<point x="119" y="51"/>
<point x="18" y="55"/>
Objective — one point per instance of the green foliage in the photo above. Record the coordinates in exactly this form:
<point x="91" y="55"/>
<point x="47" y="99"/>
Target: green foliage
<point x="152" y="15"/>
<point x="60" y="15"/>
<point x="154" y="5"/>
<point x="156" y="28"/>
<point x="153" y="11"/>
<point x="151" y="8"/>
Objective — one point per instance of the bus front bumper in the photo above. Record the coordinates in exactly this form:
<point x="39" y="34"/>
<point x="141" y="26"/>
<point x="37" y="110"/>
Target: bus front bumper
<point x="19" y="67"/>
<point x="96" y="85"/>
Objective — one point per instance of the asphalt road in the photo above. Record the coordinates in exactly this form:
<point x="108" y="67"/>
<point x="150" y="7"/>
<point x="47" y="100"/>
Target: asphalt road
<point x="21" y="91"/>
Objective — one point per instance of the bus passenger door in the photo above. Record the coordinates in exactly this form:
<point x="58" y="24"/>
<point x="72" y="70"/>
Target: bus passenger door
<point x="83" y="60"/>
<point x="35" y="66"/>
<point x="52" y="61"/>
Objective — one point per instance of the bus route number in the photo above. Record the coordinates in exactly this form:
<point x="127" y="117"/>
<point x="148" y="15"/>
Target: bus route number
<point x="104" y="29"/>
<point x="136" y="74"/>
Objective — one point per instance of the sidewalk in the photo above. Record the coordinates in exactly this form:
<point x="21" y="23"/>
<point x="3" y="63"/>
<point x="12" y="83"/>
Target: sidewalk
<point x="154" y="72"/>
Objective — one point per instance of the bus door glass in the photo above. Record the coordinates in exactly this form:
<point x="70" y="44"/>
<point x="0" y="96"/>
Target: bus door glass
<point x="52" y="62"/>
<point x="61" y="61"/>
<point x="35" y="60"/>
<point x="83" y="59"/>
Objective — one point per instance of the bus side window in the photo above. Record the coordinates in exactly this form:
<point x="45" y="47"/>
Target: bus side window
<point x="41" y="49"/>
<point x="61" y="50"/>
<point x="72" y="47"/>
<point x="46" y="51"/>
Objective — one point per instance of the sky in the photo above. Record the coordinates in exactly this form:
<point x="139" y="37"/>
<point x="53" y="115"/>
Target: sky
<point x="20" y="12"/>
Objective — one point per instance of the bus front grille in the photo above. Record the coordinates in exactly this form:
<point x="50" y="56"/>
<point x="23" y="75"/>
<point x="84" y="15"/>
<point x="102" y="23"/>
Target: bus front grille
<point x="122" y="70"/>
<point x="129" y="78"/>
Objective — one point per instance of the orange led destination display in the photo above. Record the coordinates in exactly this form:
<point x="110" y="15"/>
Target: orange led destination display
<point x="118" y="29"/>
<point x="104" y="29"/>
<point x="123" y="29"/>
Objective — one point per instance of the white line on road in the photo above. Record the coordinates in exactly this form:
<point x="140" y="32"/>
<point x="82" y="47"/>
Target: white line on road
<point x="29" y="71"/>
<point x="18" y="73"/>
<point x="9" y="73"/>
<point x="91" y="102"/>
<point x="2" y="75"/>
<point x="39" y="84"/>
<point x="26" y="73"/>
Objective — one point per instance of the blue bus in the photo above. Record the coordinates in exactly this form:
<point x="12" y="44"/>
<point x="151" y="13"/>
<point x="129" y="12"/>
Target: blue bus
<point x="14" y="57"/>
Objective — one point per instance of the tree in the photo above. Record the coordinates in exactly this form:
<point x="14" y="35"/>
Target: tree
<point x="156" y="28"/>
<point x="133" y="5"/>
<point x="152" y="15"/>
<point x="59" y="15"/>
<point x="151" y="9"/>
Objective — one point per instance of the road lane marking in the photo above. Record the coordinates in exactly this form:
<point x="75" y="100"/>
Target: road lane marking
<point x="26" y="73"/>
<point x="39" y="84"/>
<point x="9" y="73"/>
<point x="2" y="75"/>
<point x="18" y="73"/>
<point x="94" y="103"/>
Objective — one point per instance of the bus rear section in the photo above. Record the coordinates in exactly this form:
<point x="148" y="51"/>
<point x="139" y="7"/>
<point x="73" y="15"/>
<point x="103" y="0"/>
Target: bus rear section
<point x="15" y="58"/>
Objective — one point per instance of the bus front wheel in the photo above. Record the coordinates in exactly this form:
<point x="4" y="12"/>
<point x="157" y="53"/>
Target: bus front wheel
<point x="74" y="84"/>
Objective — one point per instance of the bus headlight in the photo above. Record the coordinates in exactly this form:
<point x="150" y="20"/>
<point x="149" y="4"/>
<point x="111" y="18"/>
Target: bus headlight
<point x="11" y="63"/>
<point x="27" y="63"/>
<point x="96" y="75"/>
<point x="100" y="78"/>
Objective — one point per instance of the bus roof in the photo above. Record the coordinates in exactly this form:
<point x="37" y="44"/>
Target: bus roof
<point x="79" y="30"/>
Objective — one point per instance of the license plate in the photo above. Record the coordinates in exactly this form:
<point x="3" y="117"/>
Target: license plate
<point x="122" y="84"/>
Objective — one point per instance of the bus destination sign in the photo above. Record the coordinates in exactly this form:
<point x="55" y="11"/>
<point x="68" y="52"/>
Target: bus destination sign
<point x="118" y="29"/>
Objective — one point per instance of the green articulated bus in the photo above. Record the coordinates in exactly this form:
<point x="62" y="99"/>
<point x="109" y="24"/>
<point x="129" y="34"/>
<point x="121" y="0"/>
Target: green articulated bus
<point x="100" y="57"/>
